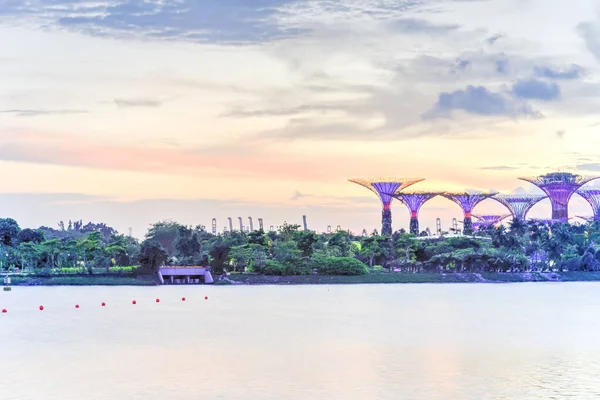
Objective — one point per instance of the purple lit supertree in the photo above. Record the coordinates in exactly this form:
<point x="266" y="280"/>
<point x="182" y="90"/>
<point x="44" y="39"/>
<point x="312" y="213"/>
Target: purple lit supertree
<point x="467" y="201"/>
<point x="385" y="188"/>
<point x="559" y="186"/>
<point x="519" y="204"/>
<point x="485" y="221"/>
<point x="414" y="201"/>
<point x="592" y="196"/>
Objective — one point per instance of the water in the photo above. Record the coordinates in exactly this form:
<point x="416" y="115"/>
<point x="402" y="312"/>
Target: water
<point x="476" y="341"/>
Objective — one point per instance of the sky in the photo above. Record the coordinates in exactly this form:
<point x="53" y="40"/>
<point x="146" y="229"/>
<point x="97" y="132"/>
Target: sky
<point x="133" y="111"/>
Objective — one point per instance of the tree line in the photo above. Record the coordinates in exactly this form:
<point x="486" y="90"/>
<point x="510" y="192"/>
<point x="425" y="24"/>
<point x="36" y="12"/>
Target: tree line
<point x="95" y="248"/>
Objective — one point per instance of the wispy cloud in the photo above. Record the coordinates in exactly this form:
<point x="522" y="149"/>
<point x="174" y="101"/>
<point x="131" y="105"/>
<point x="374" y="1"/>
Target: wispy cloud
<point x="123" y="103"/>
<point x="40" y="112"/>
<point x="498" y="168"/>
<point x="191" y="20"/>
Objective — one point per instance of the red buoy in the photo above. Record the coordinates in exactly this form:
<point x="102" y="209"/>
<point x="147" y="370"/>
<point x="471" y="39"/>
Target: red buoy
<point x="183" y="299"/>
<point x="158" y="300"/>
<point x="103" y="304"/>
<point x="4" y="311"/>
<point x="205" y="297"/>
<point x="76" y="305"/>
<point x="41" y="308"/>
<point x="134" y="302"/>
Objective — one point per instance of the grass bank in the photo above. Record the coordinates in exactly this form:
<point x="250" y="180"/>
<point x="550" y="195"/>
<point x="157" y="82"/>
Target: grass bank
<point x="387" y="277"/>
<point x="83" y="280"/>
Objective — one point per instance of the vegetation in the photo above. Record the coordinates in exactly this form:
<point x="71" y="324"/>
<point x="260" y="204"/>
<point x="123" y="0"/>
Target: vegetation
<point x="75" y="249"/>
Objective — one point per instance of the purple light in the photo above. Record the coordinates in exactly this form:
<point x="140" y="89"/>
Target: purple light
<point x="385" y="190"/>
<point x="414" y="201"/>
<point x="519" y="204"/>
<point x="490" y="219"/>
<point x="467" y="201"/>
<point x="559" y="186"/>
<point x="592" y="196"/>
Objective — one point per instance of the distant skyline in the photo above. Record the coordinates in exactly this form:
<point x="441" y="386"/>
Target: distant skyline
<point x="130" y="112"/>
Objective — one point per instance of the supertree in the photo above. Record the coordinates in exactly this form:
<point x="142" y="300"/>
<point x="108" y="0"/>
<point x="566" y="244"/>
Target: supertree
<point x="414" y="201"/>
<point x="385" y="188"/>
<point x="592" y="196"/>
<point x="559" y="186"/>
<point x="467" y="201"/>
<point x="519" y="204"/>
<point x="491" y="219"/>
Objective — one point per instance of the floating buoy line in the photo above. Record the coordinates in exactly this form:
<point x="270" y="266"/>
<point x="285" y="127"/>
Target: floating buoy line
<point x="103" y="304"/>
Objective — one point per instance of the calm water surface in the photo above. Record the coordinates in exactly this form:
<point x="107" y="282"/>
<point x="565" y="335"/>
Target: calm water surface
<point x="477" y="341"/>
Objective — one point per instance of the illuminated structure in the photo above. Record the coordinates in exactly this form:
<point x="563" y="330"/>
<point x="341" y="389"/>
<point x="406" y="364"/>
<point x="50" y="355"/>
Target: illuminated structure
<point x="519" y="204"/>
<point x="385" y="188"/>
<point x="414" y="201"/>
<point x="592" y="196"/>
<point x="559" y="186"/>
<point x="467" y="201"/>
<point x="488" y="220"/>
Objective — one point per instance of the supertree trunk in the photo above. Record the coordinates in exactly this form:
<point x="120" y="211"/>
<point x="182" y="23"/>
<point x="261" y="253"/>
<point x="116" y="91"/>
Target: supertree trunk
<point x="468" y="226"/>
<point x="386" y="222"/>
<point x="414" y="226"/>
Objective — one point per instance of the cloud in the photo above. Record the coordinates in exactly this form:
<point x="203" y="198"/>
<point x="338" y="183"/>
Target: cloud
<point x="498" y="168"/>
<point x="231" y="160"/>
<point x="479" y="100"/>
<point x="590" y="32"/>
<point x="502" y="66"/>
<point x="192" y="20"/>
<point x="595" y="167"/>
<point x="493" y="39"/>
<point x="413" y="25"/>
<point x="573" y="72"/>
<point x="124" y="103"/>
<point x="536" y="89"/>
<point x="39" y="113"/>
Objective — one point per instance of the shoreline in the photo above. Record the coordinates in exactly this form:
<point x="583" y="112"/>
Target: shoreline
<point x="372" y="278"/>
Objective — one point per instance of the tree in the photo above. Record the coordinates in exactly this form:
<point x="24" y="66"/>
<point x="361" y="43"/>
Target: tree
<point x="30" y="235"/>
<point x="152" y="256"/>
<point x="9" y="231"/>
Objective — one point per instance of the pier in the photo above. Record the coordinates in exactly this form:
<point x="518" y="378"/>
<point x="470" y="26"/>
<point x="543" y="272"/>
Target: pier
<point x="184" y="275"/>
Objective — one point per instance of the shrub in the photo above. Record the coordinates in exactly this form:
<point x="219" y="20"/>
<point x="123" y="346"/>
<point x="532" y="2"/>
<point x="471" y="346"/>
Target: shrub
<point x="340" y="266"/>
<point x="124" y="270"/>
<point x="274" y="267"/>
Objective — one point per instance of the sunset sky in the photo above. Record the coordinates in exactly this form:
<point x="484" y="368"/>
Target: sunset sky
<point x="133" y="111"/>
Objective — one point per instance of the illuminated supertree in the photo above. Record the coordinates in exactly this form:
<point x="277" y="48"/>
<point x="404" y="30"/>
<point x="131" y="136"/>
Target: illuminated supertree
<point x="491" y="219"/>
<point x="385" y="188"/>
<point x="485" y="221"/>
<point x="592" y="196"/>
<point x="467" y="201"/>
<point x="559" y="186"/>
<point x="519" y="204"/>
<point x="414" y="201"/>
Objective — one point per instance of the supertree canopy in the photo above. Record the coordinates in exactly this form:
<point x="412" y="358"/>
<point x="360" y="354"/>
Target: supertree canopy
<point x="519" y="204"/>
<point x="414" y="201"/>
<point x="559" y="186"/>
<point x="467" y="201"/>
<point x="592" y="196"/>
<point x="491" y="219"/>
<point x="385" y="188"/>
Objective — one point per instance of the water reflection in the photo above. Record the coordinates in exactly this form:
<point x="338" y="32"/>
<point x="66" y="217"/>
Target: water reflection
<point x="518" y="341"/>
